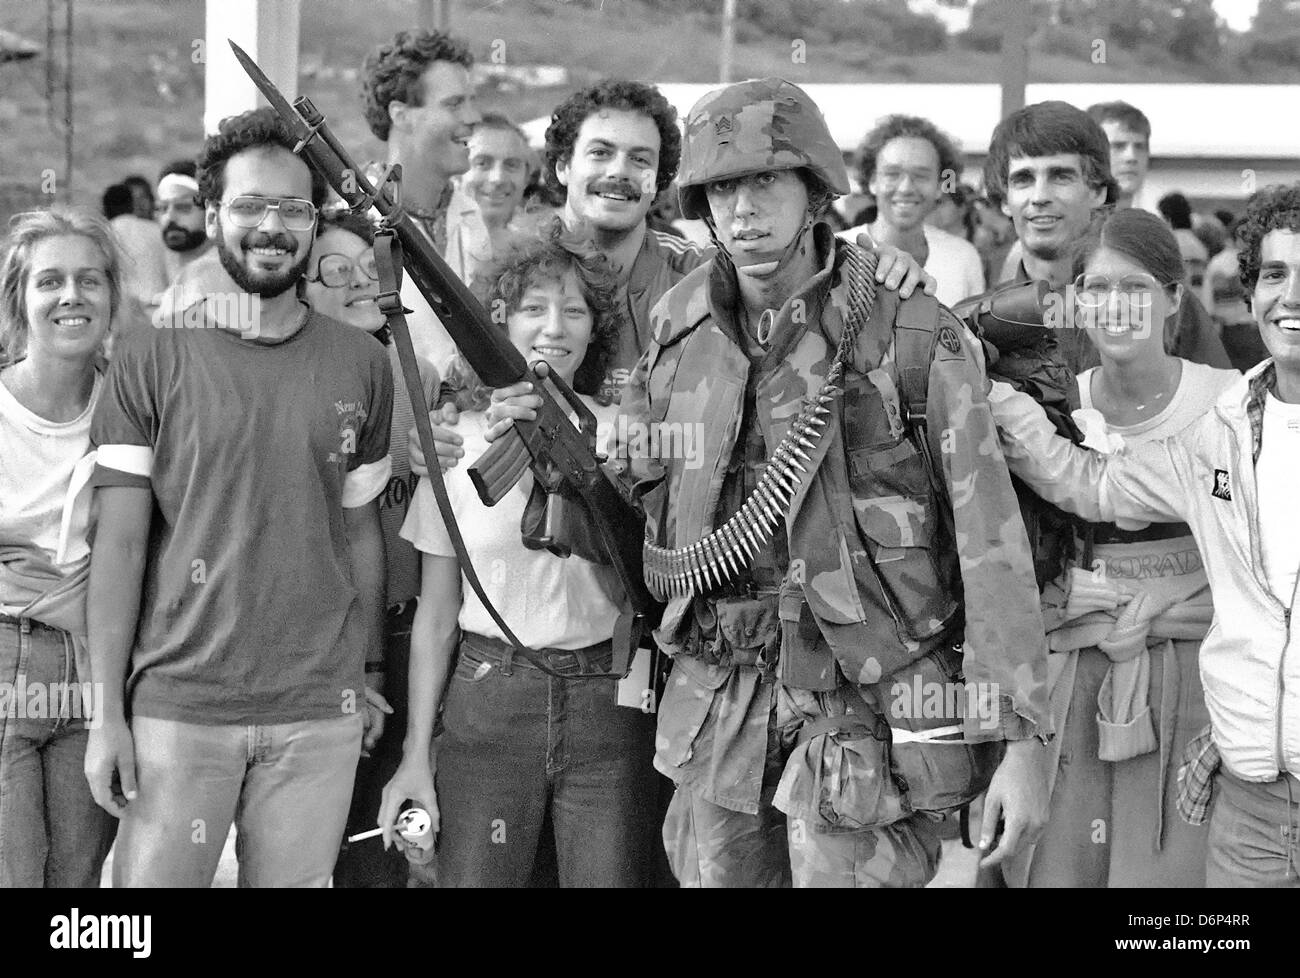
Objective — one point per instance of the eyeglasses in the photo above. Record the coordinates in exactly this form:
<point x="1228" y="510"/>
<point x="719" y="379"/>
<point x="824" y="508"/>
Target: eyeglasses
<point x="1094" y="291"/>
<point x="248" y="211"/>
<point x="334" y="271"/>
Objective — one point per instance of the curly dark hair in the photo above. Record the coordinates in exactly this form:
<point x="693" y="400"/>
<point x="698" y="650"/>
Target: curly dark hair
<point x="1044" y="129"/>
<point x="393" y="72"/>
<point x="630" y="96"/>
<point x="1274" y="208"/>
<point x="236" y="133"/>
<point x="895" y="126"/>
<point x="547" y="255"/>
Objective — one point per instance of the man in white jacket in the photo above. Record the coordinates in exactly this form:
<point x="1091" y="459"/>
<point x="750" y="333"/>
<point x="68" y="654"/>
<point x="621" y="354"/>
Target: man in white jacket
<point x="1231" y="477"/>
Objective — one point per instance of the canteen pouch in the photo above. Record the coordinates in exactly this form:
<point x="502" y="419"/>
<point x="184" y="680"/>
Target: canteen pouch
<point x="838" y="775"/>
<point x="941" y="775"/>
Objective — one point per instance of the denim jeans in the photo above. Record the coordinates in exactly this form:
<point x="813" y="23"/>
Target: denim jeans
<point x="1254" y="833"/>
<point x="515" y="746"/>
<point x="51" y="831"/>
<point x="286" y="787"/>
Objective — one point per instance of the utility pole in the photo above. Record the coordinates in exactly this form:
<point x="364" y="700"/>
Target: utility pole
<point x="1016" y="28"/>
<point x="727" y="47"/>
<point x="67" y="103"/>
<point x="434" y="14"/>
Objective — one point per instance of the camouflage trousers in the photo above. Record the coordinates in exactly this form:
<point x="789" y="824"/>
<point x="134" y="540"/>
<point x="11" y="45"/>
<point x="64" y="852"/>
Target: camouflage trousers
<point x="731" y="741"/>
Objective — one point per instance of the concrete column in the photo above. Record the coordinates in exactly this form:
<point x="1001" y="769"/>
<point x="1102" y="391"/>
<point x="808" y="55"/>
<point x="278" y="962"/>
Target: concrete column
<point x="268" y="31"/>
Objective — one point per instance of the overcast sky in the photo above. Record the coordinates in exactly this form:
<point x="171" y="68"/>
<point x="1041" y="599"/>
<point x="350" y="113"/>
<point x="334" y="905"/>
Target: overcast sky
<point x="1236" y="12"/>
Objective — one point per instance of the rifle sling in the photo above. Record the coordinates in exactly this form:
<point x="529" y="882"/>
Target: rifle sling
<point x="388" y="261"/>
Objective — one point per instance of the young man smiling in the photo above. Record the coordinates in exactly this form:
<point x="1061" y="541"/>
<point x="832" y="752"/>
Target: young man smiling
<point x="908" y="163"/>
<point x="1231" y="477"/>
<point x="237" y="571"/>
<point x="610" y="149"/>
<point x="420" y="102"/>
<point x="1048" y="169"/>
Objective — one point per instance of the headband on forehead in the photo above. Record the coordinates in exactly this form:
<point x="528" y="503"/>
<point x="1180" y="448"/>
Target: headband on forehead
<point x="177" y="181"/>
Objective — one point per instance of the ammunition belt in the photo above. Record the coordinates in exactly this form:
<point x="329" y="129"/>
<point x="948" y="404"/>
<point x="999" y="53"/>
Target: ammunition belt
<point x="723" y="553"/>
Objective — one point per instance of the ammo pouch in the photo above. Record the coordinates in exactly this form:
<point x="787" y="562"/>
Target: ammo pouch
<point x="925" y="704"/>
<point x="743" y="631"/>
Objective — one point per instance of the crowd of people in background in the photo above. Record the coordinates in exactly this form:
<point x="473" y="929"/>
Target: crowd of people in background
<point x="229" y="532"/>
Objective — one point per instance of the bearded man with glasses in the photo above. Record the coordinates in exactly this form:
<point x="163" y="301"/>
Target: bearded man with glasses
<point x="237" y="577"/>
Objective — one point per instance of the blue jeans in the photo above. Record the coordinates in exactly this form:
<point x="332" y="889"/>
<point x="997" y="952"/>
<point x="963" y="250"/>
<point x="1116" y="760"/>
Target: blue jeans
<point x="51" y="831"/>
<point x="515" y="746"/>
<point x="1254" y="833"/>
<point x="286" y="786"/>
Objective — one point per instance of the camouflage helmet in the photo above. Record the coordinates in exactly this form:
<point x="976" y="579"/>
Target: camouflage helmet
<point x="762" y="124"/>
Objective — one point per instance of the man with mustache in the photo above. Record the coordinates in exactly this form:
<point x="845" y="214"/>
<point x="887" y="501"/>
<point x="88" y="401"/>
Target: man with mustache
<point x="181" y="216"/>
<point x="610" y="149"/>
<point x="419" y="101"/>
<point x="237" y="573"/>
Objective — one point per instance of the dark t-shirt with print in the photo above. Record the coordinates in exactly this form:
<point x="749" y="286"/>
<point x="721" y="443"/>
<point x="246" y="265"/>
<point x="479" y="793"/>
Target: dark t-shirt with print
<point x="249" y="613"/>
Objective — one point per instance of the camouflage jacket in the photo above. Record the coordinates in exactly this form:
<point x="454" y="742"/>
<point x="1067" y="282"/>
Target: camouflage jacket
<point x="874" y="500"/>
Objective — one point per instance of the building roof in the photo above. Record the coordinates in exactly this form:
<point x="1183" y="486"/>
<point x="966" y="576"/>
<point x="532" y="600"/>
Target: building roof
<point x="1246" y="121"/>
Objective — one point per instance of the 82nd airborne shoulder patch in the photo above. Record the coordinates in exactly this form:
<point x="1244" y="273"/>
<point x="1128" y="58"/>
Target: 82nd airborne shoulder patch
<point x="949" y="340"/>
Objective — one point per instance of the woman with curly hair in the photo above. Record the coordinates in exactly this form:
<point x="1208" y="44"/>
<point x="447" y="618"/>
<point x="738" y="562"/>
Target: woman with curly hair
<point x="516" y="743"/>
<point x="59" y="291"/>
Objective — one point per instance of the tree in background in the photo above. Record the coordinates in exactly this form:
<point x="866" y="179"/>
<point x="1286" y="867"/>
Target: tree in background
<point x="1274" y="34"/>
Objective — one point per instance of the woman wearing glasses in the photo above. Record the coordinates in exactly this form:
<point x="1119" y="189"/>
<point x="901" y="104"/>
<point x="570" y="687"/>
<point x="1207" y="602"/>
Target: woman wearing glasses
<point x="1126" y="619"/>
<point x="342" y="282"/>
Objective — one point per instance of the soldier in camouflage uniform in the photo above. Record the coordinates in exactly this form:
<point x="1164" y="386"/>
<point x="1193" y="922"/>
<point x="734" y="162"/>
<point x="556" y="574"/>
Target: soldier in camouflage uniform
<point x="775" y="725"/>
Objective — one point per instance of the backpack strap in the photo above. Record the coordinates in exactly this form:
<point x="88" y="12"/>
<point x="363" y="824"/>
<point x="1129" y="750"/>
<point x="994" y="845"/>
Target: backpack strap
<point x="916" y="334"/>
<point x="917" y="329"/>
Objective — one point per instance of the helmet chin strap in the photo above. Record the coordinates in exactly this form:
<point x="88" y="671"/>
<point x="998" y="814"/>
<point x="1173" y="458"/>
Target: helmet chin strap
<point x="763" y="269"/>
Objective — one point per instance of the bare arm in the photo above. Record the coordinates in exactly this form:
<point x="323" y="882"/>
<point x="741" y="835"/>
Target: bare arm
<point x="370" y="577"/>
<point x="434" y="634"/>
<point x="117" y="563"/>
<point x="1140" y="486"/>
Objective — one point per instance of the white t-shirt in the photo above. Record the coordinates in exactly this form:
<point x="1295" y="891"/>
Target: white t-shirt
<point x="1277" y="473"/>
<point x="548" y="601"/>
<point x="1198" y="388"/>
<point x="39" y="502"/>
<point x="954" y="262"/>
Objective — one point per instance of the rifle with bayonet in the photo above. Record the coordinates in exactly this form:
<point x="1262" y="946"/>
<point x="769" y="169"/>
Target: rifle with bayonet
<point x="572" y="494"/>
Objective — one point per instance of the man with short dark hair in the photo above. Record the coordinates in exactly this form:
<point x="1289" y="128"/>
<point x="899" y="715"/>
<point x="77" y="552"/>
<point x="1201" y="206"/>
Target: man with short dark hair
<point x="1048" y="169"/>
<point x="610" y="149"/>
<point x="237" y="574"/>
<point x="1129" y="133"/>
<point x="420" y="102"/>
